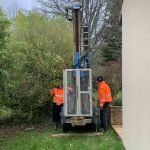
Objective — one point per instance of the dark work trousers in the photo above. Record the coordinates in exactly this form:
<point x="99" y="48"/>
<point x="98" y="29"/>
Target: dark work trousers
<point x="56" y="112"/>
<point x="104" y="116"/>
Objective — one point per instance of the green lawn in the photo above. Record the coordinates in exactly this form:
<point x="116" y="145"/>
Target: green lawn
<point x="42" y="140"/>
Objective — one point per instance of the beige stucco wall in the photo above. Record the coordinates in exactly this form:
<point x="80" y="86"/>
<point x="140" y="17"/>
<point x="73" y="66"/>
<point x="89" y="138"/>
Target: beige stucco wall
<point x="136" y="74"/>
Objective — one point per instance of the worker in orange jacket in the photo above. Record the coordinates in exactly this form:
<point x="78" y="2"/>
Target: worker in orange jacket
<point x="104" y="98"/>
<point x="58" y="99"/>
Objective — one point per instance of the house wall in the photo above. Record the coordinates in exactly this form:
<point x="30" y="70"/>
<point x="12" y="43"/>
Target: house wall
<point x="136" y="74"/>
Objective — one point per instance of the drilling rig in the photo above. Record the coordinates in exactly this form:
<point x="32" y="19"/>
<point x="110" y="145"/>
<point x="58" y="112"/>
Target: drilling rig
<point x="78" y="105"/>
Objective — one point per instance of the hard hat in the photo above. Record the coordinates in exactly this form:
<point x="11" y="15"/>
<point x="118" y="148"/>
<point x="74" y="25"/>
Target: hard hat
<point x="100" y="78"/>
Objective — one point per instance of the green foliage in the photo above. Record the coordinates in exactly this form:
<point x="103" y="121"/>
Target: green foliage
<point x="110" y="37"/>
<point x="4" y="58"/>
<point x="117" y="100"/>
<point x="4" y="24"/>
<point x="112" y="34"/>
<point x="114" y="86"/>
<point x="5" y="112"/>
<point x="111" y="51"/>
<point x="35" y="55"/>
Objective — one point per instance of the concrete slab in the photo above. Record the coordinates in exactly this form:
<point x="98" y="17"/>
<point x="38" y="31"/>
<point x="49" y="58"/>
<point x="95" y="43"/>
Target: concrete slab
<point x="76" y="134"/>
<point x="119" y="130"/>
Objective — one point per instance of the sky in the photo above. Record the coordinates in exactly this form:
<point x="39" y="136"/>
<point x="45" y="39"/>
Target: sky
<point x="11" y="5"/>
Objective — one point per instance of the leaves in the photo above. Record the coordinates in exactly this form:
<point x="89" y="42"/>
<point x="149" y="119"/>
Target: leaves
<point x="33" y="58"/>
<point x="4" y="24"/>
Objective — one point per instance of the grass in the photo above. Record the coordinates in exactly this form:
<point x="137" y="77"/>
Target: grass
<point x="42" y="140"/>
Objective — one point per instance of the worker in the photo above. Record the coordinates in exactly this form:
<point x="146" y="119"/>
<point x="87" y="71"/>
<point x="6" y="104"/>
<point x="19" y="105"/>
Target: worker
<point x="70" y="98"/>
<point x="104" y="98"/>
<point x="57" y="94"/>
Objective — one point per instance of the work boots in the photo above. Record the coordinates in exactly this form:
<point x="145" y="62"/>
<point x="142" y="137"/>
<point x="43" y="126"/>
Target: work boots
<point x="103" y="130"/>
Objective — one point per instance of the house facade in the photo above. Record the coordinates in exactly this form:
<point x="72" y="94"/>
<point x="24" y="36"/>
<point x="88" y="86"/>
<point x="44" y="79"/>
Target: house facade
<point x="136" y="74"/>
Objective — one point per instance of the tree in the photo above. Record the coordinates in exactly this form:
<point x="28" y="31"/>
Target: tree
<point x="106" y="59"/>
<point x="5" y="62"/>
<point x="111" y="51"/>
<point x="111" y="37"/>
<point x="4" y="34"/>
<point x="4" y="24"/>
<point x="94" y="14"/>
<point x="39" y="46"/>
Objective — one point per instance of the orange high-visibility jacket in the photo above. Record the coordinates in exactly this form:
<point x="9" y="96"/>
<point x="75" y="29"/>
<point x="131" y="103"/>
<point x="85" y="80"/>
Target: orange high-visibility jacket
<point x="104" y="93"/>
<point x="58" y="95"/>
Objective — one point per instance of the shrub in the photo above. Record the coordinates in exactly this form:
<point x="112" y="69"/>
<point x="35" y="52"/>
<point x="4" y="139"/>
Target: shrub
<point x="5" y="112"/>
<point x="117" y="100"/>
<point x="114" y="86"/>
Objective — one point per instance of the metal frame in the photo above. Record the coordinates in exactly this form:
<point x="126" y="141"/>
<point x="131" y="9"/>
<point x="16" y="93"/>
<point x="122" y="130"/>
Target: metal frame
<point x="78" y="113"/>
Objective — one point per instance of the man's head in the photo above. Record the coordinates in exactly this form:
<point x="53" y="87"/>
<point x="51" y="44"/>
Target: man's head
<point x="60" y="85"/>
<point x="99" y="79"/>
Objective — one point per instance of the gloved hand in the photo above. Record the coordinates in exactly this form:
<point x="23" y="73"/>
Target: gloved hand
<point x="100" y="107"/>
